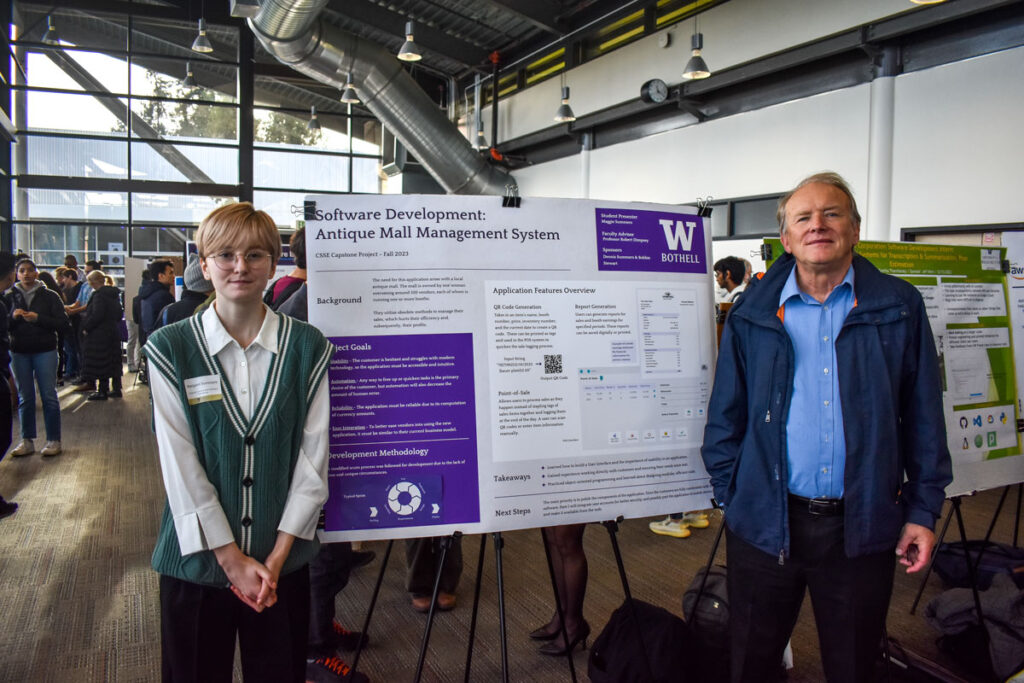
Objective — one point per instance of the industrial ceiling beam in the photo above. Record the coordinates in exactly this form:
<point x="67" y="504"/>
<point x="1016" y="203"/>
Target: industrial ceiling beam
<point x="427" y="37"/>
<point x="538" y="12"/>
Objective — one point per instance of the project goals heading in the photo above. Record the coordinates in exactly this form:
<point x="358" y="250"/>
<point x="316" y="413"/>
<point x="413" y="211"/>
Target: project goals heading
<point x="355" y="235"/>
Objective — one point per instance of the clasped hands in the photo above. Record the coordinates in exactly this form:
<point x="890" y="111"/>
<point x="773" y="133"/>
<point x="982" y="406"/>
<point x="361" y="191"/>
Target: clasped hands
<point x="253" y="582"/>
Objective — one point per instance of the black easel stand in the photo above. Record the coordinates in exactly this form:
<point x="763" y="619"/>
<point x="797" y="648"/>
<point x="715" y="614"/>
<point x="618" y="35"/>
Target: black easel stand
<point x="373" y="604"/>
<point x="707" y="567"/>
<point x="476" y="605"/>
<point x="955" y="508"/>
<point x="971" y="574"/>
<point x="931" y="561"/>
<point x="613" y="528"/>
<point x="446" y="543"/>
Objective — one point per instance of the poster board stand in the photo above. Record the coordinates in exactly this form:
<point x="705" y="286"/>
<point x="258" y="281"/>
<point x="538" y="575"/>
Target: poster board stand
<point x="972" y="573"/>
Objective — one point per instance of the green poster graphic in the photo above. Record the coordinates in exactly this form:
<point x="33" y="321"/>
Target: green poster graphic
<point x="964" y="290"/>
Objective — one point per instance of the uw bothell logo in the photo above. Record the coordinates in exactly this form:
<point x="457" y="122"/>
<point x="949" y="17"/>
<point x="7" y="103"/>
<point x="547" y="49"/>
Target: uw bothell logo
<point x="679" y="238"/>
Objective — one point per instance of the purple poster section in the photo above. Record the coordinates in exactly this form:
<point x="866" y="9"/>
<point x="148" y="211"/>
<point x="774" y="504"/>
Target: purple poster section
<point x="403" y="432"/>
<point x="652" y="241"/>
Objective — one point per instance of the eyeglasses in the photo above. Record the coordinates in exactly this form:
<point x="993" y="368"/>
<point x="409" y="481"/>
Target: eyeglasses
<point x="226" y="260"/>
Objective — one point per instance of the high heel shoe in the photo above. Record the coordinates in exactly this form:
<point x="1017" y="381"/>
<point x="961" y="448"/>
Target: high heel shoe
<point x="556" y="650"/>
<point x="542" y="633"/>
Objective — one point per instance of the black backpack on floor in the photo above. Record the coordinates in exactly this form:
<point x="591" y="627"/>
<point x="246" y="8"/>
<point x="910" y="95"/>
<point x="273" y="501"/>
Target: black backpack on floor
<point x="659" y="653"/>
<point x="708" y="620"/>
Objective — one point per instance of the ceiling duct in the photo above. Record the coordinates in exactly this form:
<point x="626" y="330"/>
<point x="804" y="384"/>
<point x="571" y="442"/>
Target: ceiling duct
<point x="289" y="30"/>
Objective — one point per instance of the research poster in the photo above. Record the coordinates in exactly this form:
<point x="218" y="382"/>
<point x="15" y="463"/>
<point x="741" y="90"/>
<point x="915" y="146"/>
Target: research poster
<point x="502" y="368"/>
<point x="965" y="292"/>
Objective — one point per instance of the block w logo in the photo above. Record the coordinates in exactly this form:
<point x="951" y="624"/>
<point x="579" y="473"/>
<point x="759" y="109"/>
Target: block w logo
<point x="678" y="233"/>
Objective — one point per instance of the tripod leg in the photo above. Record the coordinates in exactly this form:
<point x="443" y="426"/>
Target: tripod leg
<point x="446" y="543"/>
<point x="1016" y="521"/>
<point x="991" y="526"/>
<point x="928" y="571"/>
<point x="613" y="528"/>
<point x="499" y="543"/>
<point x="373" y="603"/>
<point x="558" y="601"/>
<point x="972" y="577"/>
<point x="476" y="605"/>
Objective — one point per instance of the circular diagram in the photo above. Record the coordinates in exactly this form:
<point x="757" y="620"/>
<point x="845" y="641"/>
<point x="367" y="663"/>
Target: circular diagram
<point x="404" y="498"/>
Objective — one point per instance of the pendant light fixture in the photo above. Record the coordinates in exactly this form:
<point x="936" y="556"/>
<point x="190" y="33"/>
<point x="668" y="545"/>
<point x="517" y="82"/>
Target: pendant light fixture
<point x="564" y="113"/>
<point x="481" y="139"/>
<point x="202" y="43"/>
<point x="50" y="37"/>
<point x="696" y="68"/>
<point x="190" y="80"/>
<point x="410" y="52"/>
<point x="314" y="122"/>
<point x="348" y="93"/>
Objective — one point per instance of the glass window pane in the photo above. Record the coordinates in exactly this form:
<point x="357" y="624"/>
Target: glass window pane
<point x="366" y="136"/>
<point x="284" y="207"/>
<point x="755" y="217"/>
<point x="157" y="77"/>
<point x="288" y="130"/>
<point x="179" y="163"/>
<point x="49" y="68"/>
<point x="185" y="120"/>
<point x="296" y="170"/>
<point x="172" y="208"/>
<point x="160" y="240"/>
<point x="71" y="205"/>
<point x="74" y="27"/>
<point x="57" y="112"/>
<point x="158" y="36"/>
<point x="74" y="158"/>
<point x="365" y="175"/>
<point x="720" y="220"/>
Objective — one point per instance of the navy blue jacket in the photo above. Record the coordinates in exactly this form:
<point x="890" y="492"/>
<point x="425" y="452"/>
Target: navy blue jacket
<point x="897" y="460"/>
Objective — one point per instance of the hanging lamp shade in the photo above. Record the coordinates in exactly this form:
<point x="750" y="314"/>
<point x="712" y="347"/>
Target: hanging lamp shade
<point x="348" y="93"/>
<point x="409" y="52"/>
<point x="564" y="113"/>
<point x="190" y="80"/>
<point x="202" y="43"/>
<point x="314" y="122"/>
<point x="696" y="68"/>
<point x="50" y="37"/>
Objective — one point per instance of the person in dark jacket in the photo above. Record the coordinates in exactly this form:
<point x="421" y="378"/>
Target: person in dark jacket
<point x="154" y="295"/>
<point x="36" y="316"/>
<point x="101" y="338"/>
<point x="7" y="507"/>
<point x="825" y="441"/>
<point x="196" y="291"/>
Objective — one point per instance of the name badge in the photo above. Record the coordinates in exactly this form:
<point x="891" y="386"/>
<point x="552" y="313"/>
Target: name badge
<point x="203" y="389"/>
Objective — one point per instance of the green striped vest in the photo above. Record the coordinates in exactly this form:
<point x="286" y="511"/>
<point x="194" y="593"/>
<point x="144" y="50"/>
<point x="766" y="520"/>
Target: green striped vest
<point x="249" y="462"/>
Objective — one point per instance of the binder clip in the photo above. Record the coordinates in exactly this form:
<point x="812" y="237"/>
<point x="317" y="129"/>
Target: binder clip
<point x="704" y="206"/>
<point x="308" y="210"/>
<point x="766" y="252"/>
<point x="511" y="198"/>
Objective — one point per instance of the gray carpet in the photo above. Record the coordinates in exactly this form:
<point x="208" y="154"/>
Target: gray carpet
<point x="78" y="601"/>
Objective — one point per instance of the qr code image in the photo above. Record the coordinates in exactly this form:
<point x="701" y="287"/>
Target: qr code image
<point x="553" y="364"/>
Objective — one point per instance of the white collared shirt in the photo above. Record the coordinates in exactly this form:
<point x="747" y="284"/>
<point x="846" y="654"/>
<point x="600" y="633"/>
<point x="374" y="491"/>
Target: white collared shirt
<point x="199" y="519"/>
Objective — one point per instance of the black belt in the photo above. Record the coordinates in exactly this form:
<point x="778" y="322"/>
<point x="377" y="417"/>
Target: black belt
<point x="822" y="507"/>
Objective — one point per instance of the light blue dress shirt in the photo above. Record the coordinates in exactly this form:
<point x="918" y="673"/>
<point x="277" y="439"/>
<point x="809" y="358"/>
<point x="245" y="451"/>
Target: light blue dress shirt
<point x="815" y="438"/>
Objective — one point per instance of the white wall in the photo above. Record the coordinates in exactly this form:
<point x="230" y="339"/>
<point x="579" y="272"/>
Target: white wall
<point x="758" y="152"/>
<point x="959" y="143"/>
<point x="957" y="157"/>
<point x="735" y="32"/>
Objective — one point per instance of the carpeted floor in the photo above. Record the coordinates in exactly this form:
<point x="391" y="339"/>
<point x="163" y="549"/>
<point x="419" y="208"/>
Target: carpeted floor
<point x="78" y="601"/>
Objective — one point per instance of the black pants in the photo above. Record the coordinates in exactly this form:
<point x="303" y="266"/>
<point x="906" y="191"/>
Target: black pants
<point x="850" y="597"/>
<point x="198" y="625"/>
<point x="422" y="556"/>
<point x="328" y="574"/>
<point x="6" y="415"/>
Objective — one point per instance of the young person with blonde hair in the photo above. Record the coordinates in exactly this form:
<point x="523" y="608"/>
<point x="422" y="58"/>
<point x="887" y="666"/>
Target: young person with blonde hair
<point x="241" y="409"/>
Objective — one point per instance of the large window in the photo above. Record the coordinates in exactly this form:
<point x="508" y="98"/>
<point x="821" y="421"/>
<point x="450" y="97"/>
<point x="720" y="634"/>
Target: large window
<point x="126" y="138"/>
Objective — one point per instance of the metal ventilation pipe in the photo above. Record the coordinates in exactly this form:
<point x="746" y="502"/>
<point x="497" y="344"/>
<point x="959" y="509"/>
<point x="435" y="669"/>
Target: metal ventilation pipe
<point x="289" y="30"/>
